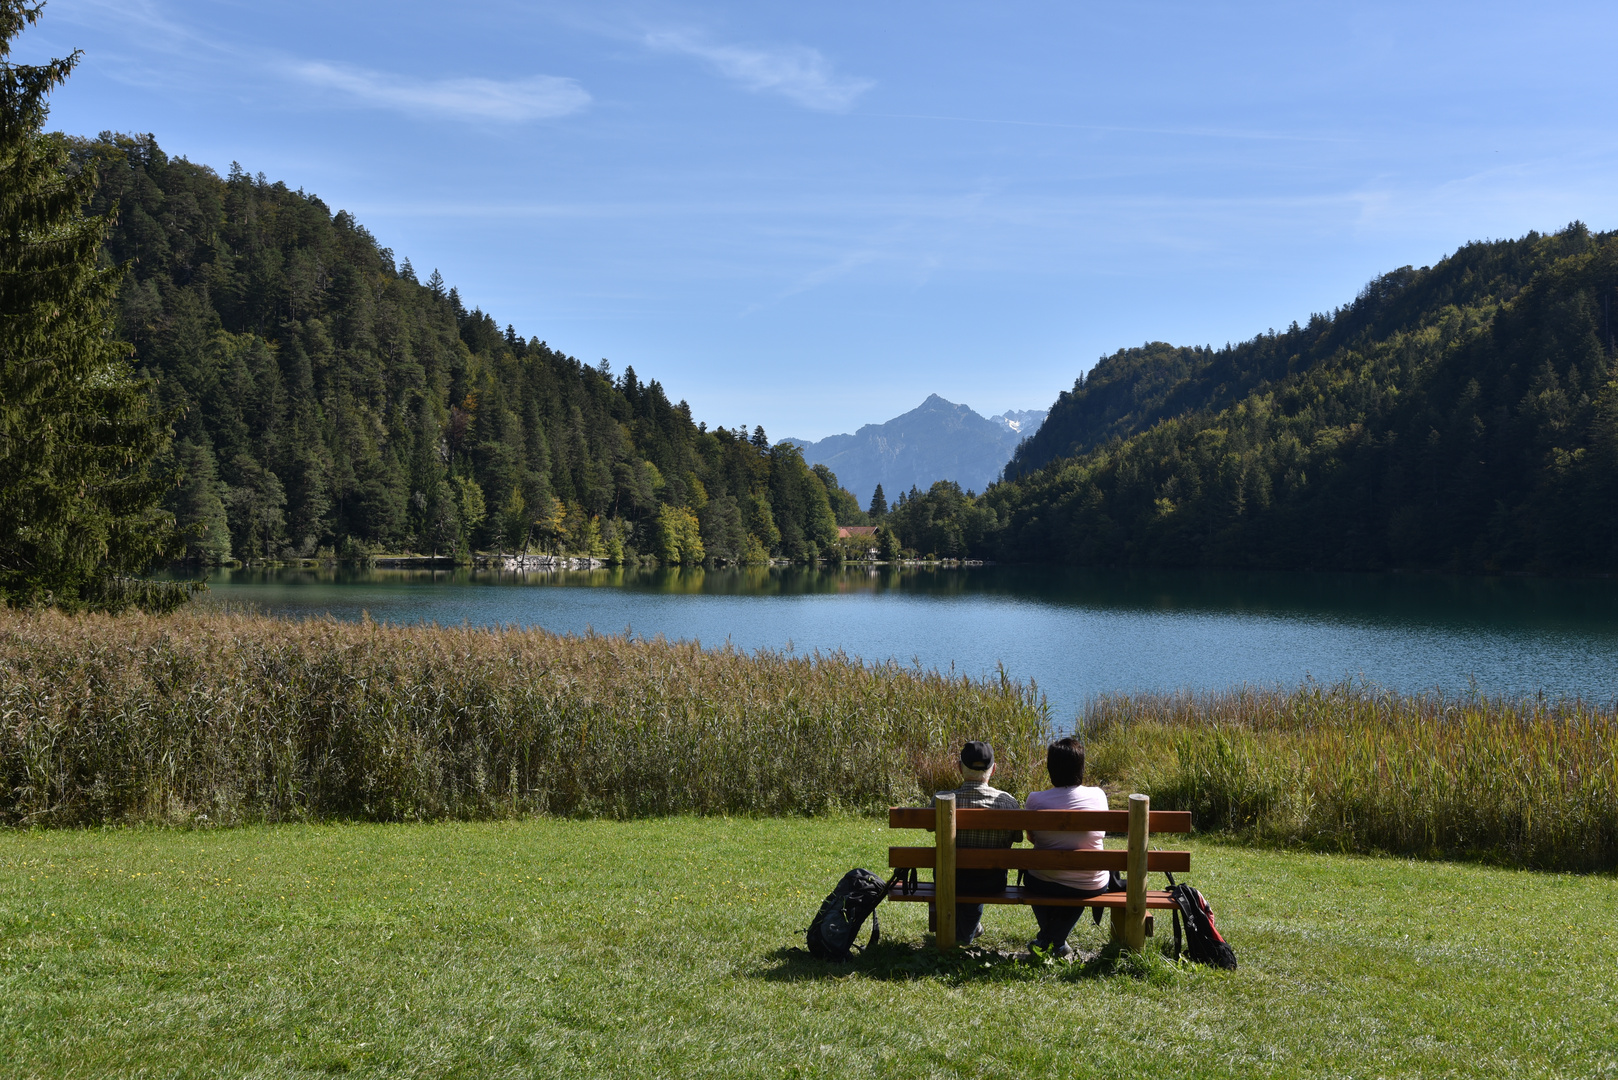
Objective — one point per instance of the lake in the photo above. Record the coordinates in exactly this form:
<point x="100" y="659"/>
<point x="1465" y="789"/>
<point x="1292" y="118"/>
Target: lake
<point x="1074" y="632"/>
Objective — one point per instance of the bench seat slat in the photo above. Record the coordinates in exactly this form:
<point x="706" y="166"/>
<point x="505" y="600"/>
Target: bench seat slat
<point x="1174" y="862"/>
<point x="1113" y="821"/>
<point x="1155" y="900"/>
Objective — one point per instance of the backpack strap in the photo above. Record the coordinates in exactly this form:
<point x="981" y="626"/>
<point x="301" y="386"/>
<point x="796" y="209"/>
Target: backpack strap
<point x="1174" y="895"/>
<point x="906" y="879"/>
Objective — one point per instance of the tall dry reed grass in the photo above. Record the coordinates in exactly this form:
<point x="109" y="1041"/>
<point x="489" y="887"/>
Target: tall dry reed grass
<point x="230" y="718"/>
<point x="1349" y="767"/>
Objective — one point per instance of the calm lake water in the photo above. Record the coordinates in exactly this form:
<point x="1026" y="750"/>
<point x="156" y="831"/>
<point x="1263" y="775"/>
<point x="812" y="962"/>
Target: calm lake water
<point x="1075" y="632"/>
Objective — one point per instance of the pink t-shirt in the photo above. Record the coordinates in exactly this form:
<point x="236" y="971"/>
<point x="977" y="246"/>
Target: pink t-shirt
<point x="1069" y="798"/>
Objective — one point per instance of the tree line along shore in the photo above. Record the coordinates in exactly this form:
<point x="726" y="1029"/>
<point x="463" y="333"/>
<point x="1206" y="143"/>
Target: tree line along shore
<point x="327" y="402"/>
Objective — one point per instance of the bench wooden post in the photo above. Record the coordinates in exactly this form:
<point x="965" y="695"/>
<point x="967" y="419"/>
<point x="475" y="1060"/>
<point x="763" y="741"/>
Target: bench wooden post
<point x="1135" y="907"/>
<point x="944" y="869"/>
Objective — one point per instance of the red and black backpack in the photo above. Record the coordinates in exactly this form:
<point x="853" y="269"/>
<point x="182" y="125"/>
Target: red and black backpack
<point x="1203" y="942"/>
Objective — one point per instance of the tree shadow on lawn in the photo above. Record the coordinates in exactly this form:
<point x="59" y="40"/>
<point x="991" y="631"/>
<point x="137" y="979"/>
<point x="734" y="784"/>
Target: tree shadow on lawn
<point x="906" y="961"/>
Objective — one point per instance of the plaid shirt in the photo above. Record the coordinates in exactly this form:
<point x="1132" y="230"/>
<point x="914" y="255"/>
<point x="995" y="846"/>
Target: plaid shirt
<point x="978" y="795"/>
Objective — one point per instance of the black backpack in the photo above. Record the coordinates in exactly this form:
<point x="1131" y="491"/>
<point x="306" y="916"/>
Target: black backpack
<point x="837" y="923"/>
<point x="1202" y="940"/>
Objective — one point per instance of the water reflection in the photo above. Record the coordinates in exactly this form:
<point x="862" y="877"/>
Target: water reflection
<point x="1077" y="632"/>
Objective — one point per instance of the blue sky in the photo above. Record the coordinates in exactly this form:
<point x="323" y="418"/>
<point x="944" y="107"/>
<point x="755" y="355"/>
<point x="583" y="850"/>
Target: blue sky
<point x="810" y="216"/>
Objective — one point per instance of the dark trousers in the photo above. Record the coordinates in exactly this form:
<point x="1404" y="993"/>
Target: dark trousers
<point x="1056" y="923"/>
<point x="973" y="883"/>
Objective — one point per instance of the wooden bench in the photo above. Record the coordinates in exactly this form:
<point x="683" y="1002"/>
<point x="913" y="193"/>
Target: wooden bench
<point x="1129" y="911"/>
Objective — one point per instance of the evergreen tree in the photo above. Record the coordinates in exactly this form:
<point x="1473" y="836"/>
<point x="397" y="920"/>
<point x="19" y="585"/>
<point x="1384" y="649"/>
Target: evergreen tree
<point x="887" y="544"/>
<point x="200" y="506"/>
<point x="79" y="509"/>
<point x="879" y="504"/>
<point x="724" y="536"/>
<point x="257" y="505"/>
<point x="470" y="504"/>
<point x="844" y="506"/>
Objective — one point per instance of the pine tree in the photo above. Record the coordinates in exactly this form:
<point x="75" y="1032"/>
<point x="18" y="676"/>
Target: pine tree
<point x="200" y="506"/>
<point x="879" y="504"/>
<point x="78" y="497"/>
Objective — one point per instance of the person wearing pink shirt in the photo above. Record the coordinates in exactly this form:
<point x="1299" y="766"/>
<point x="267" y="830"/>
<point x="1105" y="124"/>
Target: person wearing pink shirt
<point x="1065" y="762"/>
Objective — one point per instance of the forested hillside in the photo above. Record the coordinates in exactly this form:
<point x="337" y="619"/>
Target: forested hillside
<point x="1462" y="416"/>
<point x="1131" y="390"/>
<point x="327" y="400"/>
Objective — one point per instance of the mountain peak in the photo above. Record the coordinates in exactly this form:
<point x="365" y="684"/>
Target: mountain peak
<point x="937" y="440"/>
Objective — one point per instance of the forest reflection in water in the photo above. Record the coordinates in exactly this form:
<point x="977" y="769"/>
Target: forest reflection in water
<point x="1075" y="632"/>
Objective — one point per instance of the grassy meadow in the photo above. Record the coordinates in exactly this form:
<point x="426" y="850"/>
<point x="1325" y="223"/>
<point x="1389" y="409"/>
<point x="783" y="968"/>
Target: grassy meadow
<point x="664" y="948"/>
<point x="470" y="853"/>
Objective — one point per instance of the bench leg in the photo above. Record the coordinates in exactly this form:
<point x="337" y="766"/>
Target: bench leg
<point x="1116" y="917"/>
<point x="944" y="871"/>
<point x="1135" y="919"/>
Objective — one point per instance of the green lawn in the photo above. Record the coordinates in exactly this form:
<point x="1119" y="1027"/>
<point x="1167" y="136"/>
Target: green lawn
<point x="661" y="948"/>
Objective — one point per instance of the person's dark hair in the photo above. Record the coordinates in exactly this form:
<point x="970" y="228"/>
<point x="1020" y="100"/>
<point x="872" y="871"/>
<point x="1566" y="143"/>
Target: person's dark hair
<point x="1065" y="762"/>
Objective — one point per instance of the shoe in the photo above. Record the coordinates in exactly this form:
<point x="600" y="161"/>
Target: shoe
<point x="977" y="932"/>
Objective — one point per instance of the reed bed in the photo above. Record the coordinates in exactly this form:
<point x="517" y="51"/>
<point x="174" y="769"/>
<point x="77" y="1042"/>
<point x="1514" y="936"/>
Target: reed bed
<point x="1349" y="767"/>
<point x="226" y="718"/>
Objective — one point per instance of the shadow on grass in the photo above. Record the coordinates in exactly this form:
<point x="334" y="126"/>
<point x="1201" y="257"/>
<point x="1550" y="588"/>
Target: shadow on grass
<point x="905" y="961"/>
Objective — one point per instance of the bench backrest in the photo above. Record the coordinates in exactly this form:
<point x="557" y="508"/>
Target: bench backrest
<point x="1111" y="821"/>
<point x="1105" y="821"/>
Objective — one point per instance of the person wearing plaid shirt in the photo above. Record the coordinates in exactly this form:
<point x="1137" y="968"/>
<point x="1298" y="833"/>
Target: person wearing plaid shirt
<point x="977" y="765"/>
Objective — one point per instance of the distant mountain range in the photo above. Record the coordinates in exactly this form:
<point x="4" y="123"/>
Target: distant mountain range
<point x="937" y="440"/>
<point x="1023" y="421"/>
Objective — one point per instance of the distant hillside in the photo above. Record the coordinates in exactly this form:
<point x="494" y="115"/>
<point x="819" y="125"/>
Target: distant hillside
<point x="327" y="401"/>
<point x="1131" y="390"/>
<point x="1462" y="416"/>
<point x="938" y="440"/>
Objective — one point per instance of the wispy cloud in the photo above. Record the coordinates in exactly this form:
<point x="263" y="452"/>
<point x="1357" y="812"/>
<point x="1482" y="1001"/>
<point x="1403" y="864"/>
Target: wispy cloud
<point x="797" y="73"/>
<point x="538" y="97"/>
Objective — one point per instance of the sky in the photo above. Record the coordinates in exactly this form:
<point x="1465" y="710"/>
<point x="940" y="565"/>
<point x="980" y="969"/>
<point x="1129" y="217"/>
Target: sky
<point x="811" y="216"/>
